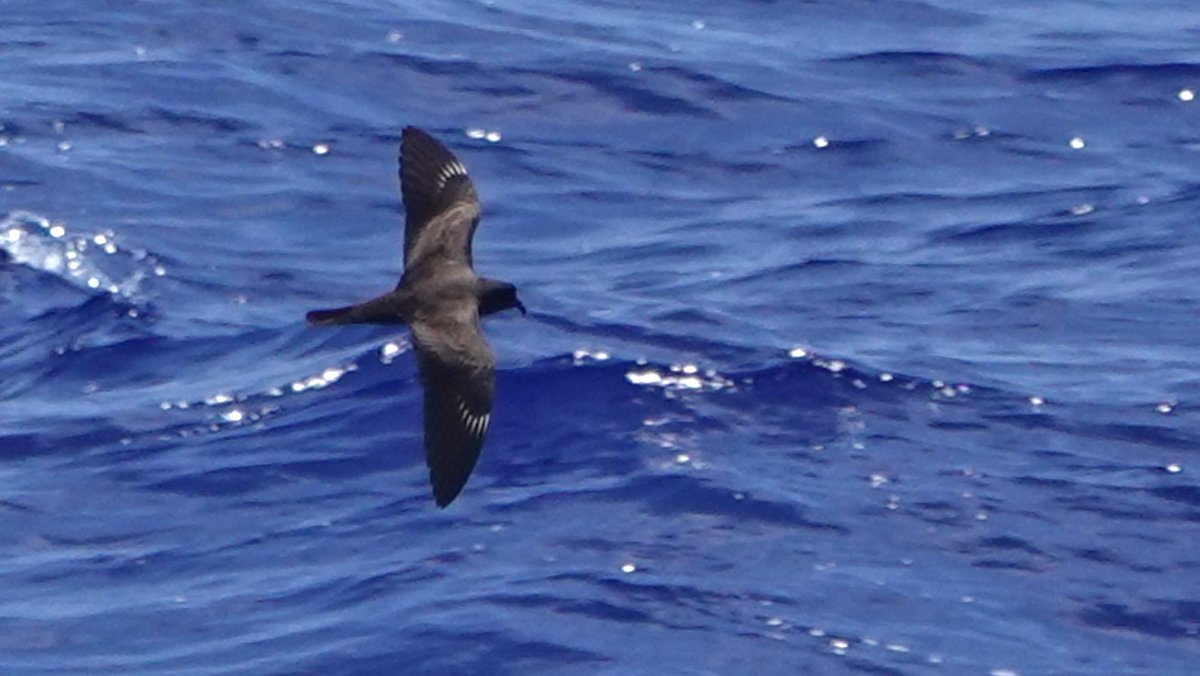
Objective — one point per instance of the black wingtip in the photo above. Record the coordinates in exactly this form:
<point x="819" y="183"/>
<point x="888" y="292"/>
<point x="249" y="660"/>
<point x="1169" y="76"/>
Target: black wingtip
<point x="443" y="494"/>
<point x="415" y="132"/>
<point x="419" y="147"/>
<point x="449" y="477"/>
<point x="421" y="153"/>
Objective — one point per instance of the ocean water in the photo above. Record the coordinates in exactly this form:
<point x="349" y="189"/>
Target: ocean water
<point x="863" y="338"/>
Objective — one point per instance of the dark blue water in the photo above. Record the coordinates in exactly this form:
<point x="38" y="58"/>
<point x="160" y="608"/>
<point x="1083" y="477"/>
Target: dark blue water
<point x="863" y="339"/>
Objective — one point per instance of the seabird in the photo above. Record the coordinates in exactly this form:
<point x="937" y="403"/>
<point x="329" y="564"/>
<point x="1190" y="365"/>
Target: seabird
<point x="441" y="299"/>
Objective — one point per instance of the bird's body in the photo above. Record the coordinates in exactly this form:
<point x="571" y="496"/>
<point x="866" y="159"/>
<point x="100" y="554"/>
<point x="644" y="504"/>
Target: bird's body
<point x="441" y="299"/>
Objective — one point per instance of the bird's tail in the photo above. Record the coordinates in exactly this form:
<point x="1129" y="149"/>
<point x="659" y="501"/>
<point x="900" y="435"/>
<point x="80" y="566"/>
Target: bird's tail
<point x="342" y="315"/>
<point x="389" y="308"/>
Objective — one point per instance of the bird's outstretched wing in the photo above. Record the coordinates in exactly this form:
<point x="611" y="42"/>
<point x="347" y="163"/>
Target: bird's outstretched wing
<point x="440" y="204"/>
<point x="458" y="371"/>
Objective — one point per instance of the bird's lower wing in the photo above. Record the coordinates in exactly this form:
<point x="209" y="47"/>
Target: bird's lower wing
<point x="458" y="373"/>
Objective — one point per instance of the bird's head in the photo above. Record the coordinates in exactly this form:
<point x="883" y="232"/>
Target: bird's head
<point x="496" y="296"/>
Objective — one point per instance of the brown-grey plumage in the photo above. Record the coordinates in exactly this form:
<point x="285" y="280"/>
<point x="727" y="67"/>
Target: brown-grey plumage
<point x="441" y="299"/>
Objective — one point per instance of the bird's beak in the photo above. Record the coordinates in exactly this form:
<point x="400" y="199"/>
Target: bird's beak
<point x="521" y="307"/>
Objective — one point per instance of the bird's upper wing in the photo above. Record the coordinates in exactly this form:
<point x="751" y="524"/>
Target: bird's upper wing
<point x="440" y="204"/>
<point x="458" y="371"/>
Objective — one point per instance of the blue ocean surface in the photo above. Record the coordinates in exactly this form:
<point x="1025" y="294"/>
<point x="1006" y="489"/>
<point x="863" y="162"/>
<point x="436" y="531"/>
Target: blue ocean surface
<point x="863" y="338"/>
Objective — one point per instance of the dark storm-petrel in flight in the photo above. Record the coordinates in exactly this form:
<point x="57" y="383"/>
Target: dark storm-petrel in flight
<point x="441" y="299"/>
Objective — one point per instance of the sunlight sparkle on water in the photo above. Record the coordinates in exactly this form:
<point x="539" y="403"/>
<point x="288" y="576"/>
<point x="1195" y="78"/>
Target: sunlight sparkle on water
<point x="833" y="365"/>
<point x="644" y="377"/>
<point x="584" y="356"/>
<point x="390" y="351"/>
<point x="491" y="136"/>
<point x="679" y="377"/>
